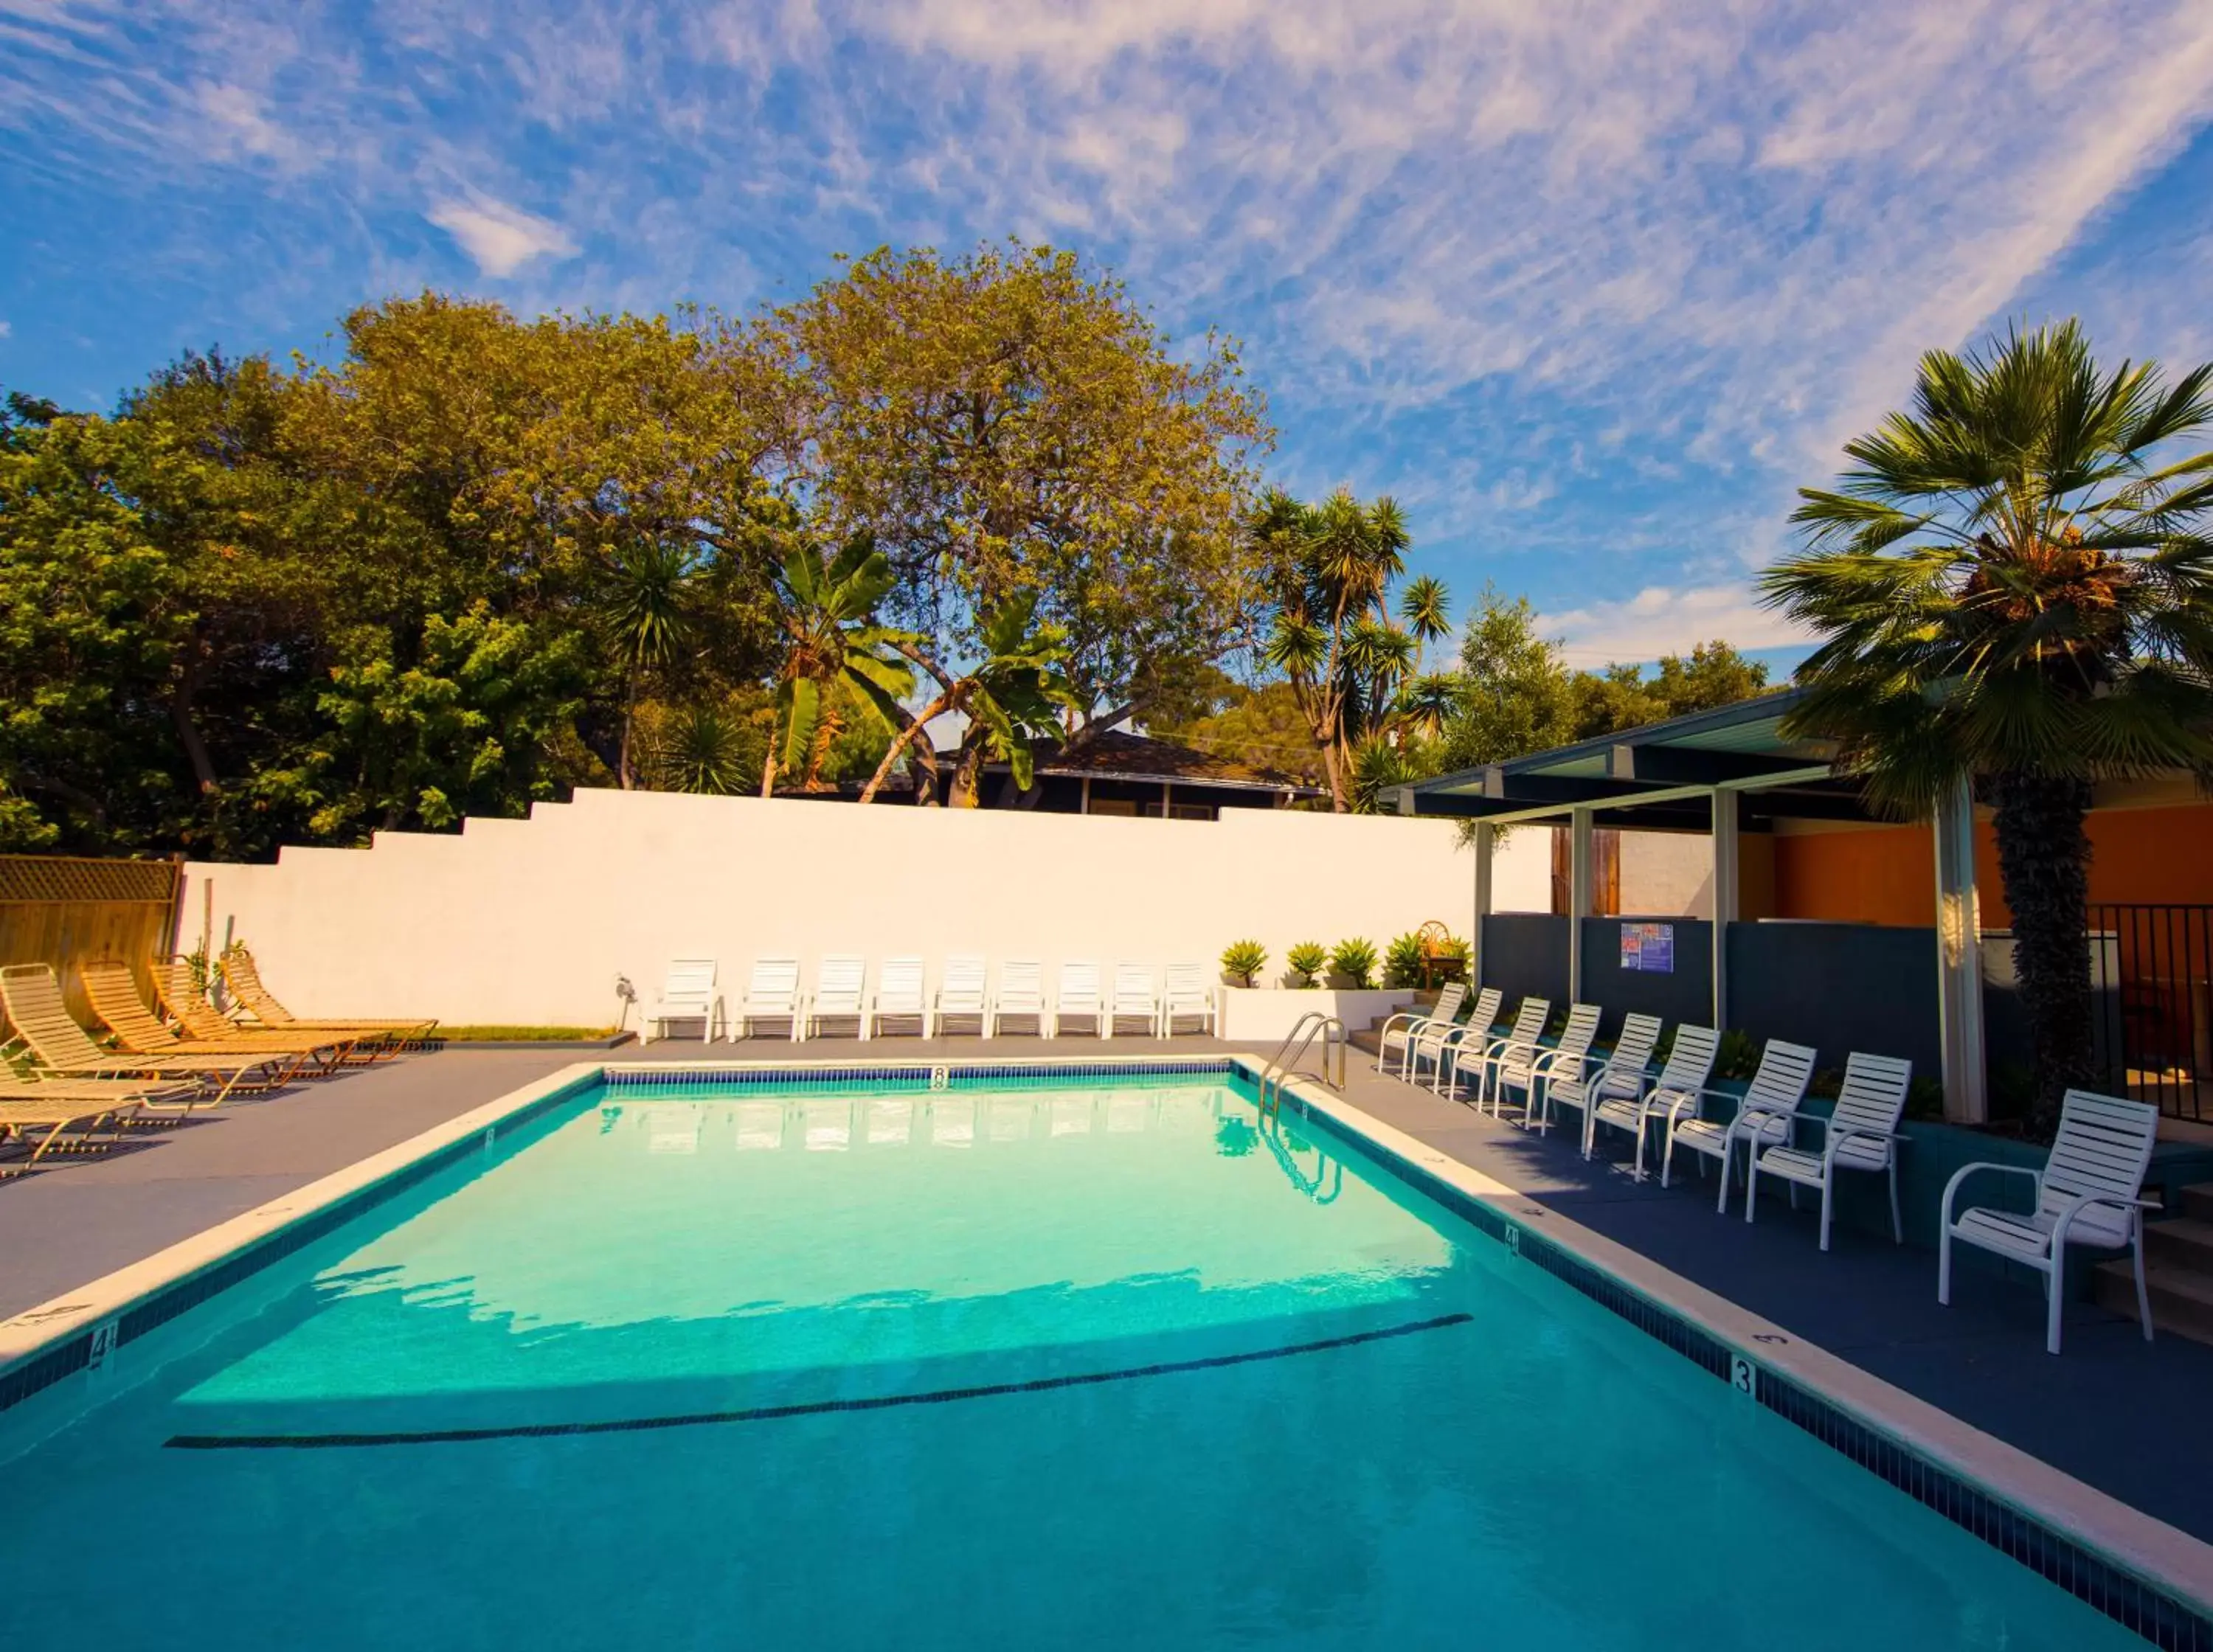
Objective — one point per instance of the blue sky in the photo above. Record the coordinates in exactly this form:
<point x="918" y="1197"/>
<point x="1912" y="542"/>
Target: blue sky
<point x="1589" y="287"/>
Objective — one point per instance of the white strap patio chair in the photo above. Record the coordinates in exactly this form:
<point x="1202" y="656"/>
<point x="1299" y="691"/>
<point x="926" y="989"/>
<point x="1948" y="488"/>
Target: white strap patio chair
<point x="1522" y="1039"/>
<point x="688" y="992"/>
<point x="899" y="998"/>
<point x="1860" y="1134"/>
<point x="2090" y="1192"/>
<point x="1079" y="998"/>
<point x="1397" y="1032"/>
<point x="1621" y="1075"/>
<point x="1187" y="997"/>
<point x="840" y="986"/>
<point x="1137" y="998"/>
<point x="1682" y="1082"/>
<point x="1762" y="1119"/>
<point x="1020" y="998"/>
<point x="1571" y="1057"/>
<point x="772" y="994"/>
<point x="960" y="995"/>
<point x="1432" y="1044"/>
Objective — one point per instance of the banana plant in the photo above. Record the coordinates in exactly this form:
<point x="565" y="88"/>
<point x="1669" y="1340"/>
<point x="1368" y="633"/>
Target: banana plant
<point x="828" y="616"/>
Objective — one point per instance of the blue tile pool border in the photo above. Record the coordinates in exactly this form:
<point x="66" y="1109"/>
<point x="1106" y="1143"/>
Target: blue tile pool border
<point x="2165" y="1619"/>
<point x="2161" y="1617"/>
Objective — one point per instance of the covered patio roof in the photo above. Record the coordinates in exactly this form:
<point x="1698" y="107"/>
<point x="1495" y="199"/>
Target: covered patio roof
<point x="1663" y="776"/>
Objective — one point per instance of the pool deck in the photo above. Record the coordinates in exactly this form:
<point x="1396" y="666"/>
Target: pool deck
<point x="2128" y="1418"/>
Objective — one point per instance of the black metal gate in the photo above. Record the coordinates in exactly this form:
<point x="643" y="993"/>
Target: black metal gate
<point x="2155" y="964"/>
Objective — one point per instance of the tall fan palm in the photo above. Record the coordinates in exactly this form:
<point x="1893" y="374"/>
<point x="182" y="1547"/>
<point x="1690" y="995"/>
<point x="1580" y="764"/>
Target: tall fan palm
<point x="828" y="616"/>
<point x="644" y="608"/>
<point x="2015" y="587"/>
<point x="1425" y="609"/>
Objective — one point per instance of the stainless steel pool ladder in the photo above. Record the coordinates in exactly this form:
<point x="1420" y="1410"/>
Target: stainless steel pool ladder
<point x="1312" y="1025"/>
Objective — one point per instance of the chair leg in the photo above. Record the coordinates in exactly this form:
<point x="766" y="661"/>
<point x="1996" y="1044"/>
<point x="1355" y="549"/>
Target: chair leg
<point x="1944" y="1262"/>
<point x="1752" y="1182"/>
<point x="1721" y="1204"/>
<point x="2055" y="1299"/>
<point x="2143" y="1295"/>
<point x="1828" y="1187"/>
<point x="1897" y="1226"/>
<point x="1667" y="1158"/>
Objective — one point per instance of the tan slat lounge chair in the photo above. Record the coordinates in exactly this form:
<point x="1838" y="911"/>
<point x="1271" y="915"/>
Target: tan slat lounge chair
<point x="35" y="1009"/>
<point x="64" y="1106"/>
<point x="115" y="994"/>
<point x="243" y="976"/>
<point x="179" y="990"/>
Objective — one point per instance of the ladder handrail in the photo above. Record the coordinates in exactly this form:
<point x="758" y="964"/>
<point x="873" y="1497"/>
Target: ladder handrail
<point x="1314" y="1023"/>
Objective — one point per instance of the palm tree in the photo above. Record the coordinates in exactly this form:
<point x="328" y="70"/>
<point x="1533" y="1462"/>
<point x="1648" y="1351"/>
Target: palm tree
<point x="644" y="608"/>
<point x="2016" y="586"/>
<point x="1332" y="638"/>
<point x="1426" y="610"/>
<point x="828" y="616"/>
<point x="700" y="748"/>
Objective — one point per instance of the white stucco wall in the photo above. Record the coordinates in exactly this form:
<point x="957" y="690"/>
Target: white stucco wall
<point x="1666" y="874"/>
<point x="530" y="921"/>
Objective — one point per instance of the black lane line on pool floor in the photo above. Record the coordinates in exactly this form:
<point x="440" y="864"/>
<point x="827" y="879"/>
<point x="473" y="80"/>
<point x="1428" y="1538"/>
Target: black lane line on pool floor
<point x="770" y="1413"/>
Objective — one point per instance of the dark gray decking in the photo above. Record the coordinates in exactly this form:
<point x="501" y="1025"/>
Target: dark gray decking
<point x="2133" y="1420"/>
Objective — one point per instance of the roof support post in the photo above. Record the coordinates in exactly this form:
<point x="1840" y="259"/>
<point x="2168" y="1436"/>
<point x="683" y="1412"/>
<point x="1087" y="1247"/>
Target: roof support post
<point x="1959" y="960"/>
<point x="1579" y="896"/>
<point x="1729" y="889"/>
<point x="1486" y="844"/>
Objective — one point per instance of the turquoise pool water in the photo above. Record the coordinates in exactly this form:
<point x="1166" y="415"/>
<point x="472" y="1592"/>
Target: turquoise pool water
<point x="1032" y="1366"/>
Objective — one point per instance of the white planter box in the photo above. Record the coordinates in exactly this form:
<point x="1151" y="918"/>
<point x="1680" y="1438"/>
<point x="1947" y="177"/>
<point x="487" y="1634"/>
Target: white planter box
<point x="1266" y="1014"/>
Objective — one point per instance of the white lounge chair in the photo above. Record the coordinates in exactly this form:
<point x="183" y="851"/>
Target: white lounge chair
<point x="1682" y="1082"/>
<point x="1762" y="1119"/>
<point x="1622" y="1074"/>
<point x="688" y="992"/>
<point x="1530" y="1070"/>
<point x="1529" y="1019"/>
<point x="1188" y="996"/>
<point x="960" y="995"/>
<point x="1862" y="1134"/>
<point x="772" y="994"/>
<point x="1020" y="997"/>
<point x="2090" y="1192"/>
<point x="899" y="998"/>
<point x="1079" y="998"/>
<point x="1432" y="1042"/>
<point x="840" y="987"/>
<point x="1397" y="1032"/>
<point x="1137" y="998"/>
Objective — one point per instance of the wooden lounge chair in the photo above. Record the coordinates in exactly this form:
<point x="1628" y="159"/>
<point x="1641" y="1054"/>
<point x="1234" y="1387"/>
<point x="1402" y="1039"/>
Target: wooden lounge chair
<point x="1762" y="1120"/>
<point x="1137" y="998"/>
<point x="1860" y="1134"/>
<point x="688" y="992"/>
<point x="1188" y="996"/>
<point x="899" y="996"/>
<point x="1019" y="997"/>
<point x="1397" y="1030"/>
<point x="243" y="977"/>
<point x="2089" y="1192"/>
<point x="177" y="989"/>
<point x="35" y="1009"/>
<point x="138" y="1031"/>
<point x="961" y="994"/>
<point x="1622" y="1074"/>
<point x="1682" y="1081"/>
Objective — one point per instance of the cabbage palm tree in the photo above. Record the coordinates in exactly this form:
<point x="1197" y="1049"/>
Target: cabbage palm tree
<point x="1425" y="610"/>
<point x="2015" y="586"/>
<point x="828" y="615"/>
<point x="645" y="609"/>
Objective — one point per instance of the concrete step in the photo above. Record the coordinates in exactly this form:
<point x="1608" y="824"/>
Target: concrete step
<point x="2186" y="1244"/>
<point x="1370" y="1039"/>
<point x="2181" y="1298"/>
<point x="2198" y="1201"/>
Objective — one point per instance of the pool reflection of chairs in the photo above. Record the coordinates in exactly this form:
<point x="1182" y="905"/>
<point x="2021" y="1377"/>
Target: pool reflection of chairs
<point x="863" y="1123"/>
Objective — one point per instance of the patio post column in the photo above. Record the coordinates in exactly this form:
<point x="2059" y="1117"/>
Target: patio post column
<point x="1728" y="893"/>
<point x="1579" y="896"/>
<point x="1486" y="847"/>
<point x="1959" y="960"/>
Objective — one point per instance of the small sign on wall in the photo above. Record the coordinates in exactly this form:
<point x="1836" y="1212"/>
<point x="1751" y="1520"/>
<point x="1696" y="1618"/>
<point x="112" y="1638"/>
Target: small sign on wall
<point x="1649" y="948"/>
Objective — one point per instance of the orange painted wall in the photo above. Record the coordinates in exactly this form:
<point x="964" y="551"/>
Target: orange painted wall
<point x="1888" y="874"/>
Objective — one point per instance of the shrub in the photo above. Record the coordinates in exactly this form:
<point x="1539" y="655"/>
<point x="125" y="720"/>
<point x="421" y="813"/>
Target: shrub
<point x="1355" y="959"/>
<point x="1736" y="1056"/>
<point x="1244" y="959"/>
<point x="1450" y="963"/>
<point x="1308" y="960"/>
<point x="1402" y="961"/>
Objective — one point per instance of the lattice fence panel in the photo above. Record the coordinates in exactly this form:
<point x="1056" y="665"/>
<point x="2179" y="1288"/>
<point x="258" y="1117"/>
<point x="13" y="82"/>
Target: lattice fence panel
<point x="64" y="910"/>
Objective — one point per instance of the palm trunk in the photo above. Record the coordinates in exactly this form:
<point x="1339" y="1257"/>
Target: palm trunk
<point x="967" y="776"/>
<point x="827" y="728"/>
<point x="915" y="734"/>
<point x="2044" y="855"/>
<point x="625" y="775"/>
<point x="768" y="764"/>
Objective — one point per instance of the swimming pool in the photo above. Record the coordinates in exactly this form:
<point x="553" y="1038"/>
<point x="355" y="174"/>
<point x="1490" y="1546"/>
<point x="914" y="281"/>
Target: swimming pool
<point x="1065" y="1361"/>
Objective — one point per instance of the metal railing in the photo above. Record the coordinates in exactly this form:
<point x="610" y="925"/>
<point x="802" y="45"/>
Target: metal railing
<point x="2153" y="963"/>
<point x="1315" y="1023"/>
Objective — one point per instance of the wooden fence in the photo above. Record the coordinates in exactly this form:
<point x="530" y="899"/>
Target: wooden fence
<point x="59" y="910"/>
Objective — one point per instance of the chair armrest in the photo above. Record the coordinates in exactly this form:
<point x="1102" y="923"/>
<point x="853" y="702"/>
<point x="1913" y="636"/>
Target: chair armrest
<point x="1959" y="1176"/>
<point x="2083" y="1202"/>
<point x="1545" y="1061"/>
<point x="1746" y="1114"/>
<point x="1838" y="1137"/>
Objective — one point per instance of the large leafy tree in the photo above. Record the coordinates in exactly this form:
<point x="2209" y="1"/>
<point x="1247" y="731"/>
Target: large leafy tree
<point x="836" y="654"/>
<point x="2015" y="586"/>
<point x="1010" y="424"/>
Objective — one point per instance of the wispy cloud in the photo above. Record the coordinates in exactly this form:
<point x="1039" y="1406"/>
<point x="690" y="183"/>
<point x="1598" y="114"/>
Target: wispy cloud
<point x="1668" y="619"/>
<point x="500" y="238"/>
